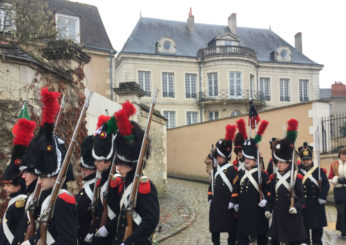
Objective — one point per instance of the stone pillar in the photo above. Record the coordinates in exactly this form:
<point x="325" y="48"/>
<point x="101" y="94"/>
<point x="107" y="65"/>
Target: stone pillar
<point x="298" y="42"/>
<point x="232" y="23"/>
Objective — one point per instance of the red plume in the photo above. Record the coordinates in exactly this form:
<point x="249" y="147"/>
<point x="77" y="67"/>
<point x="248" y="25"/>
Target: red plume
<point x="128" y="108"/>
<point x="123" y="122"/>
<point x="101" y="120"/>
<point x="230" y="132"/>
<point x="262" y="127"/>
<point x="292" y="125"/>
<point x="241" y="127"/>
<point x="23" y="132"/>
<point x="50" y="106"/>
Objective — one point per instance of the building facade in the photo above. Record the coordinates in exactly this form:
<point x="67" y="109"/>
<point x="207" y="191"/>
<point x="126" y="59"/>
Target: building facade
<point x="206" y="72"/>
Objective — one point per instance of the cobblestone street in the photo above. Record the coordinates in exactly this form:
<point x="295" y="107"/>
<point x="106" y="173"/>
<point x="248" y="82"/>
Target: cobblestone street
<point x="185" y="211"/>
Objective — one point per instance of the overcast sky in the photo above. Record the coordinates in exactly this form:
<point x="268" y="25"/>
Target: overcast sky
<point x="322" y="23"/>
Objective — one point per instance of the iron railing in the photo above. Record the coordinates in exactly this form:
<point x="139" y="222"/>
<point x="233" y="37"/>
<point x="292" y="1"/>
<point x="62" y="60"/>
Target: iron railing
<point x="226" y="94"/>
<point x="226" y="50"/>
<point x="333" y="133"/>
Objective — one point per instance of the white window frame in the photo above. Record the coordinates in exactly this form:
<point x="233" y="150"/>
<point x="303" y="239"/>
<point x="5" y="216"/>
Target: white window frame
<point x="171" y="118"/>
<point x="6" y="12"/>
<point x="190" y="85"/>
<point x="213" y="115"/>
<point x="265" y="88"/>
<point x="168" y="85"/>
<point x="144" y="78"/>
<point x="191" y="117"/>
<point x="235" y="84"/>
<point x="285" y="90"/>
<point x="303" y="90"/>
<point x="235" y="113"/>
<point x="213" y="86"/>
<point x="78" y="34"/>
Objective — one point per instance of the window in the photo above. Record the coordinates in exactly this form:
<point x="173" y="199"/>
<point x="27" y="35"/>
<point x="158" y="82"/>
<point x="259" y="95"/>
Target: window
<point x="170" y="116"/>
<point x="284" y="90"/>
<point x="7" y="18"/>
<point x="190" y="85"/>
<point x="168" y="84"/>
<point x="252" y="77"/>
<point x="235" y="84"/>
<point x="191" y="117"/>
<point x="144" y="81"/>
<point x="213" y="115"/>
<point x="235" y="113"/>
<point x="212" y="84"/>
<point x="68" y="27"/>
<point x="303" y="90"/>
<point x="265" y="88"/>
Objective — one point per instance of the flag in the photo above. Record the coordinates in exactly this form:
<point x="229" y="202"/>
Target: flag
<point x="254" y="119"/>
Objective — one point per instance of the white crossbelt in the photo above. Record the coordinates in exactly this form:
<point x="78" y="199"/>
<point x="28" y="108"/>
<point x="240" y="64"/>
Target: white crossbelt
<point x="87" y="188"/>
<point x="248" y="175"/>
<point x="125" y="201"/>
<point x="28" y="201"/>
<point x="282" y="181"/>
<point x="223" y="176"/>
<point x="241" y="166"/>
<point x="308" y="175"/>
<point x="7" y="230"/>
<point x="110" y="213"/>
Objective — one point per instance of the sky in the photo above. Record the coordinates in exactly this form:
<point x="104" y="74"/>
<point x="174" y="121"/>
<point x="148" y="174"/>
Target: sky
<point x="322" y="23"/>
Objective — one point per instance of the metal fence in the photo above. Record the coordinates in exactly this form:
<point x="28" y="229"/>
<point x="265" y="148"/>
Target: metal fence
<point x="333" y="133"/>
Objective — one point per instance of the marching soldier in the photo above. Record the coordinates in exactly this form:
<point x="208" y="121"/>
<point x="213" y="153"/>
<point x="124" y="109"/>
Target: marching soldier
<point x="272" y="165"/>
<point x="337" y="175"/>
<point x="253" y="195"/>
<point x="222" y="216"/>
<point x="14" y="184"/>
<point x="146" y="214"/>
<point x="315" y="191"/>
<point x="47" y="152"/>
<point x="287" y="193"/>
<point x="86" y="194"/>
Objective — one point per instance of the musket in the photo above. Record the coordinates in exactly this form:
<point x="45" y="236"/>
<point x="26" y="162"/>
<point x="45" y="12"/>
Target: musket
<point x="259" y="171"/>
<point x="317" y="145"/>
<point x="293" y="177"/>
<point x="93" y="202"/>
<point x="212" y="169"/>
<point x="134" y="190"/>
<point x="58" y="118"/>
<point x="48" y="212"/>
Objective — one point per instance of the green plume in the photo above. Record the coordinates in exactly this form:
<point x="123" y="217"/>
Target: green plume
<point x="24" y="112"/>
<point x="112" y="125"/>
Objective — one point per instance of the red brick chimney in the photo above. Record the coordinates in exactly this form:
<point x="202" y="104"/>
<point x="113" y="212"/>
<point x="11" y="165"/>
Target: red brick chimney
<point x="338" y="89"/>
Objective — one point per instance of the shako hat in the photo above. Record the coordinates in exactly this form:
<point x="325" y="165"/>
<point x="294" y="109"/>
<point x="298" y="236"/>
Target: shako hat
<point x="223" y="147"/>
<point x="250" y="146"/>
<point x="240" y="136"/>
<point x="87" y="159"/>
<point x="305" y="151"/>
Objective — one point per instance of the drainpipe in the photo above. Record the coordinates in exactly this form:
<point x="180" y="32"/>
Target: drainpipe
<point x="200" y="89"/>
<point x="111" y="52"/>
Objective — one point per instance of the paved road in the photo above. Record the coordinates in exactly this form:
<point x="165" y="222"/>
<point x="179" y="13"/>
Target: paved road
<point x="197" y="232"/>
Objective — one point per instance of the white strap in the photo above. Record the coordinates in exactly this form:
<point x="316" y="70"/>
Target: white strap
<point x="7" y="230"/>
<point x="28" y="201"/>
<point x="282" y="181"/>
<point x="248" y="175"/>
<point x="223" y="176"/>
<point x="308" y="175"/>
<point x="241" y="166"/>
<point x="87" y="188"/>
<point x="110" y="213"/>
<point x="124" y="202"/>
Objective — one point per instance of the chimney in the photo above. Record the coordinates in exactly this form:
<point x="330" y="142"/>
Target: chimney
<point x="338" y="89"/>
<point x="191" y="21"/>
<point x="232" y="23"/>
<point x="298" y="42"/>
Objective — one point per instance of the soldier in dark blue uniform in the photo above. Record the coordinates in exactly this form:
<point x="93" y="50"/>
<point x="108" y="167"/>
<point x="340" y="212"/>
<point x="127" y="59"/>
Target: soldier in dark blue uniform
<point x="287" y="223"/>
<point x="222" y="215"/>
<point x="146" y="214"/>
<point x="272" y="164"/>
<point x="253" y="196"/>
<point x="86" y="195"/>
<point x="315" y="193"/>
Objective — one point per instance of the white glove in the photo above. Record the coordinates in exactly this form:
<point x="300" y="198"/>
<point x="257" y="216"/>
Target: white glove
<point x="102" y="232"/>
<point x="27" y="242"/>
<point x="230" y="205"/>
<point x="335" y="180"/>
<point x="267" y="214"/>
<point x="321" y="201"/>
<point x="88" y="238"/>
<point x="236" y="207"/>
<point x="122" y="243"/>
<point x="262" y="203"/>
<point x="208" y="201"/>
<point x="292" y="210"/>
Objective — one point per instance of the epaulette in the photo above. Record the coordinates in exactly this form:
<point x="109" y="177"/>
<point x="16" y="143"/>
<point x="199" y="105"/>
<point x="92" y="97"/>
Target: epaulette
<point x="299" y="176"/>
<point x="98" y="182"/>
<point x="68" y="198"/>
<point x="235" y="162"/>
<point x="20" y="202"/>
<point x="144" y="185"/>
<point x="236" y="168"/>
<point x="271" y="177"/>
<point x="116" y="180"/>
<point x="324" y="170"/>
<point x="265" y="171"/>
<point x="298" y="162"/>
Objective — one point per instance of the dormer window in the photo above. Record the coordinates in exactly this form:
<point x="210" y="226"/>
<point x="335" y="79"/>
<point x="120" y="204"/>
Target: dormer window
<point x="166" y="45"/>
<point x="68" y="27"/>
<point x="7" y="18"/>
<point x="282" y="54"/>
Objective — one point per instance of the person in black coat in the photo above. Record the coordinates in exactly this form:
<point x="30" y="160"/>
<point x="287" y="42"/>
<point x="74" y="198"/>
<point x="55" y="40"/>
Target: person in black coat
<point x="315" y="191"/>
<point x="272" y="164"/>
<point x="146" y="214"/>
<point x="287" y="223"/>
<point x="222" y="215"/>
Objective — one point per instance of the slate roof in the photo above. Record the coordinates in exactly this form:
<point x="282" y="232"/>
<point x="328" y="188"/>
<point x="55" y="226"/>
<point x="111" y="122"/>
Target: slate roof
<point x="92" y="30"/>
<point x="148" y="31"/>
<point x="325" y="93"/>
